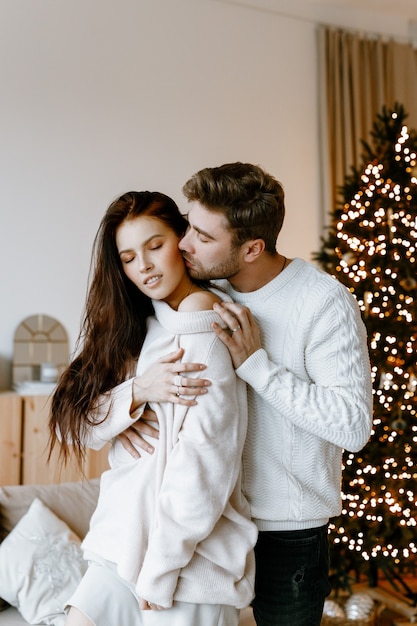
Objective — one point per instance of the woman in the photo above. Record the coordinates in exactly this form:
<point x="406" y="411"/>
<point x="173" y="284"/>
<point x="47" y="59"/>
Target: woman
<point x="171" y="530"/>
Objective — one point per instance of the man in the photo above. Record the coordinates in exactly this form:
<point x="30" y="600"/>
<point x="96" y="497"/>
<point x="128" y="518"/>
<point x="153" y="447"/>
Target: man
<point x="297" y="339"/>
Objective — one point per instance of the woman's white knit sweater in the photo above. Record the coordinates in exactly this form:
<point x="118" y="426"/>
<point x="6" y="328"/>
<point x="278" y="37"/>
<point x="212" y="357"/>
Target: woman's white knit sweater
<point x="175" y="522"/>
<point x="309" y="393"/>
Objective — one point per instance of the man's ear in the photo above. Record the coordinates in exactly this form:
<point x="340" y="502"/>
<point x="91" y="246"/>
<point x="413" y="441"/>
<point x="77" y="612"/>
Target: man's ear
<point x="253" y="250"/>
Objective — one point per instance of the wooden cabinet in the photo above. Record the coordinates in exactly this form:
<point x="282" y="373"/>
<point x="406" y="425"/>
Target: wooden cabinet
<point x="10" y="438"/>
<point x="24" y="445"/>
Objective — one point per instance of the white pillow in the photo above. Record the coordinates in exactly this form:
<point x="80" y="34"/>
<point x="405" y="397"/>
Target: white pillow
<point x="41" y="564"/>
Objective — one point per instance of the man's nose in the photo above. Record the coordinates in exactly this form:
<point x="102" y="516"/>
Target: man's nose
<point x="184" y="242"/>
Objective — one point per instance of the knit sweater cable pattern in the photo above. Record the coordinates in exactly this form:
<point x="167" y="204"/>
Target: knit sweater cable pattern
<point x="309" y="393"/>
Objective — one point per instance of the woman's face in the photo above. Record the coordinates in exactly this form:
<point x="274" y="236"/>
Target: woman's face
<point x="150" y="257"/>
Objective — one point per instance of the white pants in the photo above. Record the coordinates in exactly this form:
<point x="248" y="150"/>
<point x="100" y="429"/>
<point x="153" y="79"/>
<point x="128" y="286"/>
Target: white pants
<point x="107" y="601"/>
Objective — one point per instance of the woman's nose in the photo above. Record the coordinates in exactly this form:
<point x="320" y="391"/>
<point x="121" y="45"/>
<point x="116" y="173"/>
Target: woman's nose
<point x="144" y="264"/>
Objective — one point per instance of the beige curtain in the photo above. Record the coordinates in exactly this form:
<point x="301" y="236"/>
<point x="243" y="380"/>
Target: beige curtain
<point x="358" y="75"/>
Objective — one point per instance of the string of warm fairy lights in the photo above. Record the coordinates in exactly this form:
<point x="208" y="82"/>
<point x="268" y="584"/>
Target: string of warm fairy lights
<point x="376" y="250"/>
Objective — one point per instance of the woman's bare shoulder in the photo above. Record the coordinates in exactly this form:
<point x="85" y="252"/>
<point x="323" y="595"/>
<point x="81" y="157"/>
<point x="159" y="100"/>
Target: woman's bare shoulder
<point x="199" y="301"/>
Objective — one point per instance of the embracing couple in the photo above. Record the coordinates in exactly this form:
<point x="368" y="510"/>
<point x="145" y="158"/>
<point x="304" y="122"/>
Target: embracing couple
<point x="228" y="405"/>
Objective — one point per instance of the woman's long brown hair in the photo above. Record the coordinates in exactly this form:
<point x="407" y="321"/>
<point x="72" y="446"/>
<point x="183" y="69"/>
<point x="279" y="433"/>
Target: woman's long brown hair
<point x="113" y="328"/>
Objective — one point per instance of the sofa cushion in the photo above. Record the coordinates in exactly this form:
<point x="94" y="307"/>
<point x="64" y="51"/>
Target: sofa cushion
<point x="41" y="564"/>
<point x="12" y="617"/>
<point x="73" y="503"/>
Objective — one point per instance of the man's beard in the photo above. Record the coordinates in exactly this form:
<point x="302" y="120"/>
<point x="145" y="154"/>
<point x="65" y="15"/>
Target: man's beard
<point x="226" y="269"/>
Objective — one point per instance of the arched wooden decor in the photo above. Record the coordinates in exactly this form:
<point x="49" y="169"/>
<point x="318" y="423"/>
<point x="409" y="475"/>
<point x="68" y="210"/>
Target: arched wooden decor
<point x="40" y="350"/>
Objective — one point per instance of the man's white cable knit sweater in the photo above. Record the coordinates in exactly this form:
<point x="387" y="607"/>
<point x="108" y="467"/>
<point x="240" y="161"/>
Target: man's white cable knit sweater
<point x="175" y="522"/>
<point x="309" y="393"/>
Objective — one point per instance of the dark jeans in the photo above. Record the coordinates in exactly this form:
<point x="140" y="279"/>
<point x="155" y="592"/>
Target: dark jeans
<point x="291" y="581"/>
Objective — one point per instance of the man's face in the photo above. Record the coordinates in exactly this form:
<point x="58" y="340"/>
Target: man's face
<point x="207" y="245"/>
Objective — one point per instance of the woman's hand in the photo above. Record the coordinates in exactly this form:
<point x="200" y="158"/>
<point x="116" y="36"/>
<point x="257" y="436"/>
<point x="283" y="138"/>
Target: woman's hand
<point x="165" y="382"/>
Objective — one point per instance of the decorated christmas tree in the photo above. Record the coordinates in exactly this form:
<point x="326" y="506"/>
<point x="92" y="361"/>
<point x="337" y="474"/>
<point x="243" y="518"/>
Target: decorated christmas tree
<point x="371" y="247"/>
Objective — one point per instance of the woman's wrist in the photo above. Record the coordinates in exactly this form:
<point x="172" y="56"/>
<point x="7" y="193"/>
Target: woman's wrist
<point x="137" y="398"/>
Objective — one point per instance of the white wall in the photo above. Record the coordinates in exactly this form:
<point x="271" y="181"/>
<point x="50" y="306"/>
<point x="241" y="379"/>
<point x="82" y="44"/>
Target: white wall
<point x="100" y="97"/>
<point x="390" y="18"/>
